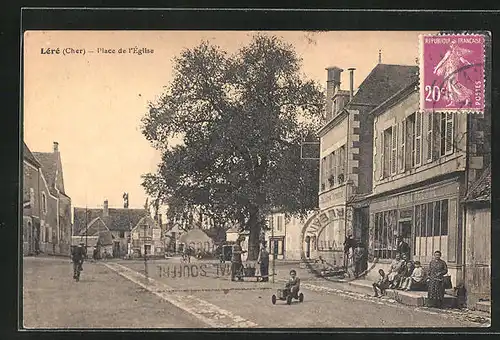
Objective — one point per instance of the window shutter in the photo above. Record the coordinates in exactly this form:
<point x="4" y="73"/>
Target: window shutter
<point x="418" y="139"/>
<point x="394" y="148"/>
<point x="402" y="139"/>
<point x="449" y="132"/>
<point x="430" y="136"/>
<point x="436" y="132"/>
<point x="333" y="167"/>
<point x="382" y="156"/>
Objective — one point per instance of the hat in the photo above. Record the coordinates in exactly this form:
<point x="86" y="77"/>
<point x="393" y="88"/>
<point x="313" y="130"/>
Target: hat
<point x="293" y="271"/>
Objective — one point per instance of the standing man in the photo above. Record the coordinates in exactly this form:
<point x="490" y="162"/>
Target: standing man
<point x="236" y="262"/>
<point x="402" y="247"/>
<point x="263" y="260"/>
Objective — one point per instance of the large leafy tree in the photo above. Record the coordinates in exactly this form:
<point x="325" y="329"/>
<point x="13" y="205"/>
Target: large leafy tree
<point x="241" y="119"/>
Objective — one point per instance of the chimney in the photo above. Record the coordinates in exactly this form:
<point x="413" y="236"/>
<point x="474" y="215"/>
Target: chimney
<point x="105" y="210"/>
<point x="351" y="83"/>
<point x="56" y="147"/>
<point x="332" y="87"/>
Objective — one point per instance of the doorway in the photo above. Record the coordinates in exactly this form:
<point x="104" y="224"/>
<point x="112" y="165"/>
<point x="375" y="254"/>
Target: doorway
<point x="116" y="249"/>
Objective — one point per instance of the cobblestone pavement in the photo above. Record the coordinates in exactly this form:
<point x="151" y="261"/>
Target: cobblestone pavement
<point x="325" y="305"/>
<point x="102" y="299"/>
<point x="128" y="294"/>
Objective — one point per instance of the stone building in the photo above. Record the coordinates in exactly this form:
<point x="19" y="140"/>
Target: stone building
<point x="346" y="147"/>
<point x="46" y="206"/>
<point x="119" y="222"/>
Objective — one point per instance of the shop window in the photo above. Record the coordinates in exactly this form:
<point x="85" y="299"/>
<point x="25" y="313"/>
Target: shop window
<point x="444" y="217"/>
<point x="385" y="234"/>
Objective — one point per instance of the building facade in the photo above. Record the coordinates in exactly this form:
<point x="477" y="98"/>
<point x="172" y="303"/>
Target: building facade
<point x="46" y="206"/>
<point x="346" y="147"/>
<point x="119" y="222"/>
<point x="423" y="165"/>
<point x="147" y="238"/>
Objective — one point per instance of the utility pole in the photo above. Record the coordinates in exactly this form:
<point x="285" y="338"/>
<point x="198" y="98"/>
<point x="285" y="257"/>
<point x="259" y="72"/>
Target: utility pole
<point x="274" y="251"/>
<point x="145" y="254"/>
<point x="86" y="231"/>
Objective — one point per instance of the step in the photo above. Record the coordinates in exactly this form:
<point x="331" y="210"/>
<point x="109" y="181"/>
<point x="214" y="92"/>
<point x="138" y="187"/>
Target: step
<point x="410" y="298"/>
<point x="484" y="306"/>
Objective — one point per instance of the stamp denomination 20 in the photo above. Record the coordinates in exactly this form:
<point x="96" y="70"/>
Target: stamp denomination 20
<point x="452" y="73"/>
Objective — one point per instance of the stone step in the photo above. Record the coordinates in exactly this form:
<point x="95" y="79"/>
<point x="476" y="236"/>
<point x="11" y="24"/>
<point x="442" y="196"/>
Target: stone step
<point x="410" y="298"/>
<point x="484" y="306"/>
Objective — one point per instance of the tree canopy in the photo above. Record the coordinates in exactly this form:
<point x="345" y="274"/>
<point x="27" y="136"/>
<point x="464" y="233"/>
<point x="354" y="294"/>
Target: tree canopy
<point x="241" y="118"/>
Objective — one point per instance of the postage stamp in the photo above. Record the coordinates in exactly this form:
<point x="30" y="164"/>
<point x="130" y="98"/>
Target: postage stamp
<point x="452" y="72"/>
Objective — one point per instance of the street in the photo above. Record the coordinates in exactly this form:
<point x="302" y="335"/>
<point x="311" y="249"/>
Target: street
<point x="117" y="294"/>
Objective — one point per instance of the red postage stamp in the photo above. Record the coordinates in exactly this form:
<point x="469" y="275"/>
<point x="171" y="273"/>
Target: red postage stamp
<point x="452" y="72"/>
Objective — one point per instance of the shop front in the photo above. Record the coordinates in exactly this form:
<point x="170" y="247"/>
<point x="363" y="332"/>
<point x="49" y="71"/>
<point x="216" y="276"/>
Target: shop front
<point x="427" y="218"/>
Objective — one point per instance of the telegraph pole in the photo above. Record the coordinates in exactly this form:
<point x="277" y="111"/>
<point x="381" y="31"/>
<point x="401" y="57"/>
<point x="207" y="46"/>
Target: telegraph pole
<point x="145" y="254"/>
<point x="274" y="251"/>
<point x="86" y="231"/>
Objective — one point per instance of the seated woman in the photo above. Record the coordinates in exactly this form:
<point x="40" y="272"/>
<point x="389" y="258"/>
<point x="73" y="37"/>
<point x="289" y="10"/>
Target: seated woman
<point x="416" y="281"/>
<point x="293" y="284"/>
<point x="394" y="273"/>
<point x="405" y="272"/>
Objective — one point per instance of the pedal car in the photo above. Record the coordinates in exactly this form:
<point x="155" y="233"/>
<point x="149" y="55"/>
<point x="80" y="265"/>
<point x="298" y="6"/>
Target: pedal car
<point x="285" y="294"/>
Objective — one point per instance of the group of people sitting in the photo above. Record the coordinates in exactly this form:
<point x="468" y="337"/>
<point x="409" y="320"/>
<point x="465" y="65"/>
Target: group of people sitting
<point x="403" y="274"/>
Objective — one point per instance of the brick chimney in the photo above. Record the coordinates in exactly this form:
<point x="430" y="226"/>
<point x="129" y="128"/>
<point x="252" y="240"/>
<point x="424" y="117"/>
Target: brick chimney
<point x="56" y="147"/>
<point x="105" y="210"/>
<point x="332" y="87"/>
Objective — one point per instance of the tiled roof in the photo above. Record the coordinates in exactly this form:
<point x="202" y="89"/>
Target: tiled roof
<point x="48" y="160"/>
<point x="119" y="219"/>
<point x="27" y="155"/>
<point x="383" y="82"/>
<point x="480" y="190"/>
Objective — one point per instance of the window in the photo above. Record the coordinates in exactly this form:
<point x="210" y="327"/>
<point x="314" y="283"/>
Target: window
<point x="447" y="132"/>
<point x="341" y="168"/>
<point x="280" y="223"/>
<point x="410" y="141"/>
<point x="323" y="173"/>
<point x="271" y="224"/>
<point x="387" y="152"/>
<point x="394" y="149"/>
<point x="418" y="139"/>
<point x="430" y="136"/>
<point x="384" y="234"/>
<point x="431" y="219"/>
<point x="402" y="148"/>
<point x="44" y="203"/>
<point x="332" y="168"/>
<point x="122" y="234"/>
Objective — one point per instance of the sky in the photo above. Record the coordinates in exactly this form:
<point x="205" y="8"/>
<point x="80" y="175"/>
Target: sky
<point x="92" y="103"/>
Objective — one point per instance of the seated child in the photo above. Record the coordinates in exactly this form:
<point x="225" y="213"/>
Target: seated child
<point x="382" y="284"/>
<point x="416" y="281"/>
<point x="293" y="284"/>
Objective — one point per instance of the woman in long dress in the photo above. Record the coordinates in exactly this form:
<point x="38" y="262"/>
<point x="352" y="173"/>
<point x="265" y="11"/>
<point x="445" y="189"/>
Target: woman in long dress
<point x="449" y="68"/>
<point x="437" y="270"/>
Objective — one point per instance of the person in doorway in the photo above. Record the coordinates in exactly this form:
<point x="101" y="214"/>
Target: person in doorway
<point x="437" y="270"/>
<point x="359" y="257"/>
<point x="236" y="262"/>
<point x="263" y="260"/>
<point x="402" y="247"/>
<point x="382" y="283"/>
<point x="349" y="245"/>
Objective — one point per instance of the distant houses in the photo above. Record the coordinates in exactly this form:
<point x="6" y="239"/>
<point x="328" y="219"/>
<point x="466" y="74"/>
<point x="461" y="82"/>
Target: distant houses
<point x="114" y="228"/>
<point x="46" y="206"/>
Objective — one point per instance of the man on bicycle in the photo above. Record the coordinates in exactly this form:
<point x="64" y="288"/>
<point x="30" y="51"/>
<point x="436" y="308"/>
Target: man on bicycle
<point x="77" y="257"/>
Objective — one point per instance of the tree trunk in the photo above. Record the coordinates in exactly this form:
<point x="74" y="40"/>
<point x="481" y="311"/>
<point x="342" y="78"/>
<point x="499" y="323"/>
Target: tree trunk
<point x="254" y="237"/>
